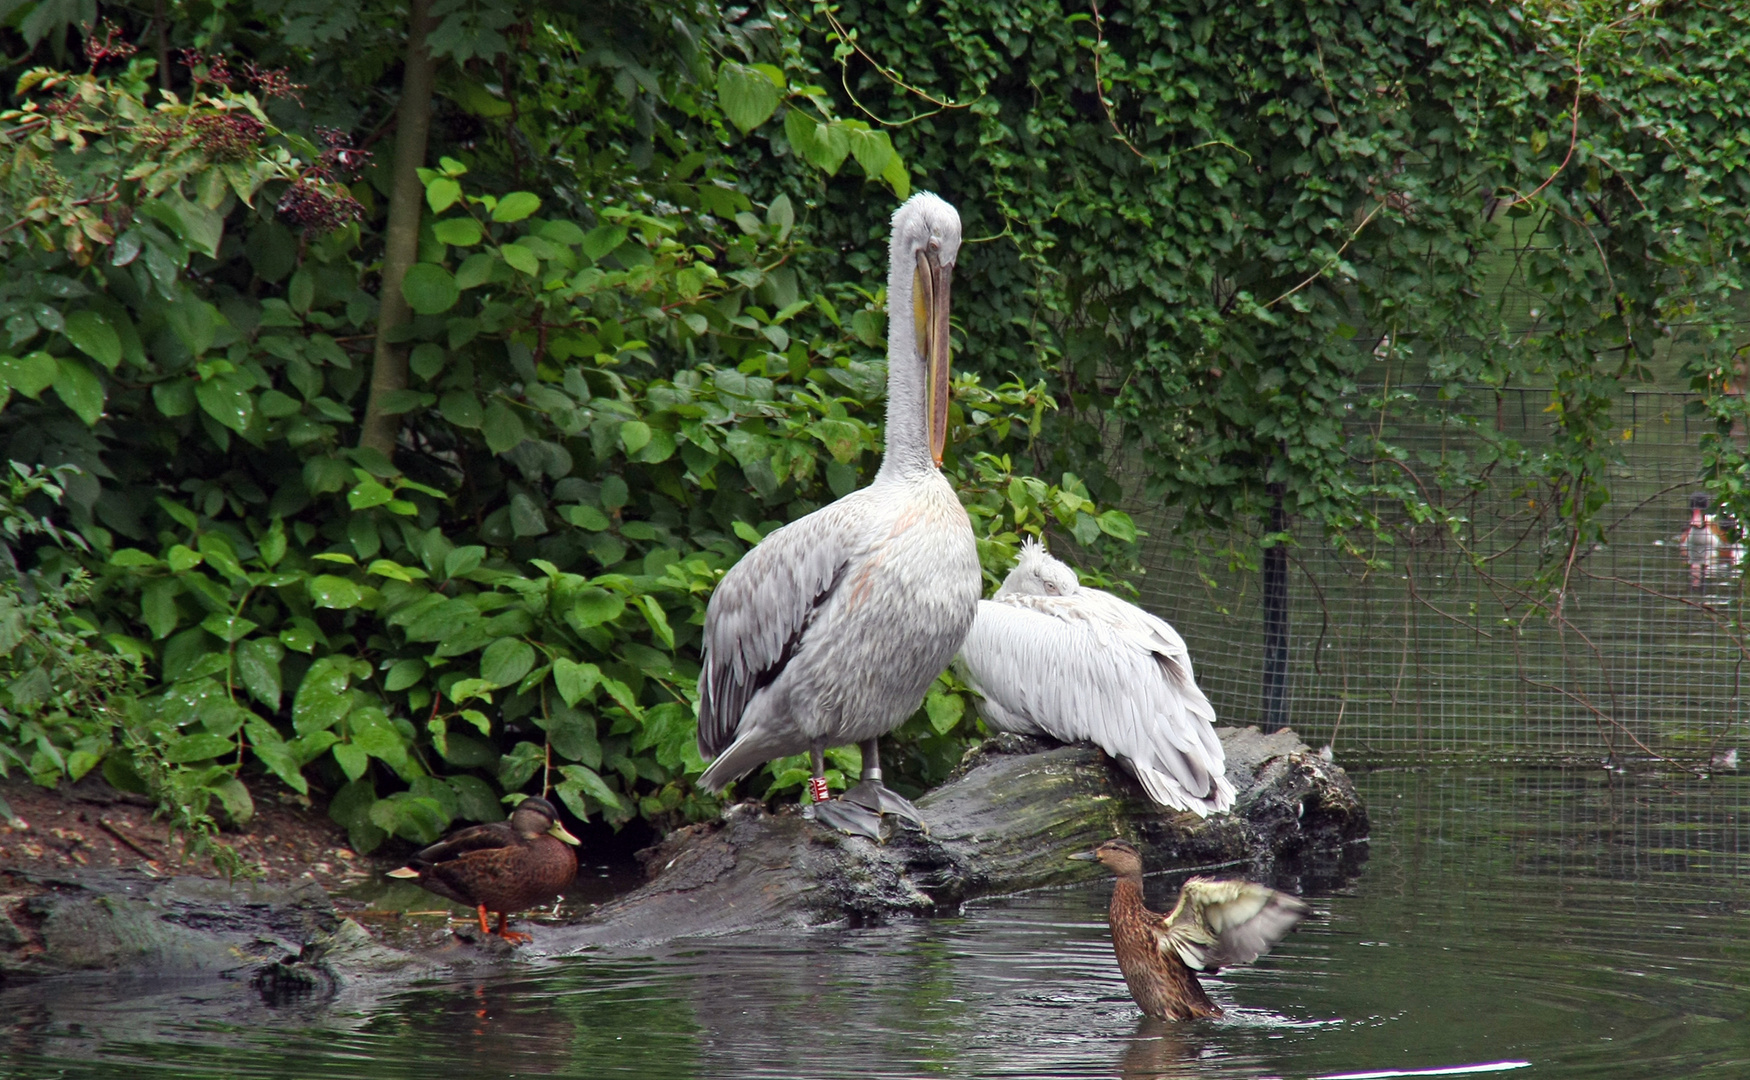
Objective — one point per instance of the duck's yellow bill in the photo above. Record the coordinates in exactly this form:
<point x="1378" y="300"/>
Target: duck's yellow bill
<point x="558" y="833"/>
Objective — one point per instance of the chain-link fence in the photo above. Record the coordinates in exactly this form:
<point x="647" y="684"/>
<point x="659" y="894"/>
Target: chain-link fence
<point x="1437" y="648"/>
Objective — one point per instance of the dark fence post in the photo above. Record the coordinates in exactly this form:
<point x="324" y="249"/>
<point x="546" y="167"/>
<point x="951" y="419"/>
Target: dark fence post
<point x="1276" y="620"/>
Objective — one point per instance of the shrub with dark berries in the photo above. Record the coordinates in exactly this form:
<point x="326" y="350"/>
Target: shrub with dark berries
<point x="227" y="136"/>
<point x="112" y="47"/>
<point x="321" y="207"/>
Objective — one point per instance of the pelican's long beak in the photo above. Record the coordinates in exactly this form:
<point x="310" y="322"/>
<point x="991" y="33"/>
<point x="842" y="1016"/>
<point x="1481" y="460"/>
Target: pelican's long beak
<point x="1084" y="856"/>
<point x="930" y="291"/>
<point x="558" y="833"/>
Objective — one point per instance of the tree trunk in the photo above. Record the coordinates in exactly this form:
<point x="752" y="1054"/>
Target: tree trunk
<point x="381" y="429"/>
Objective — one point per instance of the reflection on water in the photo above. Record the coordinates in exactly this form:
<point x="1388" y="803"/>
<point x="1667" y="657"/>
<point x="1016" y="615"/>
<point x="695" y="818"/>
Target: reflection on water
<point x="1589" y="926"/>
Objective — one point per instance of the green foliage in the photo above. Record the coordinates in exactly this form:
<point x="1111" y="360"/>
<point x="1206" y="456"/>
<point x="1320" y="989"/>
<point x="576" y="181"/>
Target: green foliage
<point x="1210" y="225"/>
<point x="58" y="686"/>
<point x="611" y="397"/>
<point x="69" y="705"/>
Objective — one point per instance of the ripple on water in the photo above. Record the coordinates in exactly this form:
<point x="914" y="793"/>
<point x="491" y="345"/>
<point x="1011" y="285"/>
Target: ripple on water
<point x="1592" y="930"/>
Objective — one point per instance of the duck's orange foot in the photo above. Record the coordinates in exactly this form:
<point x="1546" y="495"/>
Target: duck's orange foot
<point x="515" y="937"/>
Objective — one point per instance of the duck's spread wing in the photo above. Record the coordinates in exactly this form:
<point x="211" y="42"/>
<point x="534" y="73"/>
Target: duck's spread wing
<point x="1090" y="667"/>
<point x="758" y="614"/>
<point x="1219" y="922"/>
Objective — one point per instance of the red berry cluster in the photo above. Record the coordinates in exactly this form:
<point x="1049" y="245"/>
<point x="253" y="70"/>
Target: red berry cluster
<point x="317" y="201"/>
<point x="273" y="82"/>
<point x="321" y="207"/>
<point x="218" y="72"/>
<point x="339" y="154"/>
<point x="96" y="52"/>
<point x="226" y="136"/>
<point x="270" y="82"/>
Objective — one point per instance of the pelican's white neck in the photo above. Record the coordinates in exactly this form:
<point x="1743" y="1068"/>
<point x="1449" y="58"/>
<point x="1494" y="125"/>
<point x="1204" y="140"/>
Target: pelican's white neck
<point x="923" y="223"/>
<point x="907" y="430"/>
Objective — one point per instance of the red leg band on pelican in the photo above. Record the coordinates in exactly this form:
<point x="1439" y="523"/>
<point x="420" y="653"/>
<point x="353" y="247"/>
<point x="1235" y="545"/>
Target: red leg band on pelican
<point x="817" y="789"/>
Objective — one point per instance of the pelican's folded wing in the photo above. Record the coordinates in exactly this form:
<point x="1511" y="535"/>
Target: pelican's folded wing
<point x="1055" y="664"/>
<point x="758" y="615"/>
<point x="1218" y="923"/>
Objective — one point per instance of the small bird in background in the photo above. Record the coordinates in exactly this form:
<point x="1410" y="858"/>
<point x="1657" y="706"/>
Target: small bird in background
<point x="504" y="867"/>
<point x="1050" y="656"/>
<point x="1707" y="541"/>
<point x="1215" y="924"/>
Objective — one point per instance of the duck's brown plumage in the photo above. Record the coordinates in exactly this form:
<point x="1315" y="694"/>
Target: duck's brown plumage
<point x="1215" y="923"/>
<point x="505" y="867"/>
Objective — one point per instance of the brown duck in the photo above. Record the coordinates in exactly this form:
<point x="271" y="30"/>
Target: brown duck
<point x="1215" y="923"/>
<point x="506" y="867"/>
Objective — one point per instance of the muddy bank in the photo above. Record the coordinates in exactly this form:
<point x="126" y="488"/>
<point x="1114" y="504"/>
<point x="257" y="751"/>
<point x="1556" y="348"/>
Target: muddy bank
<point x="1005" y="822"/>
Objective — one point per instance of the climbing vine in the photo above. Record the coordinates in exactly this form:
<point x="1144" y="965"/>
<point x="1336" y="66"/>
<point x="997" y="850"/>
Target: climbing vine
<point x="1213" y="225"/>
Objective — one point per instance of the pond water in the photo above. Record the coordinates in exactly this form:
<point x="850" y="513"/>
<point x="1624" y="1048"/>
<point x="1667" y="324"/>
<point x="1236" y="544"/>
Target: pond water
<point x="1585" y="923"/>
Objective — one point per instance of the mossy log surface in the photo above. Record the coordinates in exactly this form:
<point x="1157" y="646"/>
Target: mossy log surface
<point x="1008" y="820"/>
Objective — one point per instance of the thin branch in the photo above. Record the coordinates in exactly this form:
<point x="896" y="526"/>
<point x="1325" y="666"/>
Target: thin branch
<point x="1335" y="259"/>
<point x="891" y="76"/>
<point x="1111" y="118"/>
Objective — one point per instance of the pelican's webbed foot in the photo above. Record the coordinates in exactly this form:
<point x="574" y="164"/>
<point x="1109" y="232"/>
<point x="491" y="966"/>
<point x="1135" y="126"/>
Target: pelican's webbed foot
<point x="848" y="818"/>
<point x="876" y="796"/>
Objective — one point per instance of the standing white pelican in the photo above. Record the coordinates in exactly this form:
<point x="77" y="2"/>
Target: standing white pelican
<point x="830" y="631"/>
<point x="1051" y="657"/>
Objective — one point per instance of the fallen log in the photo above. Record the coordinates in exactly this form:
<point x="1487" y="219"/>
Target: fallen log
<point x="1006" y="821"/>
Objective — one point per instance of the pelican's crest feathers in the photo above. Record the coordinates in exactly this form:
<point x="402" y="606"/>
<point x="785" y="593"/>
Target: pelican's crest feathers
<point x="1033" y="556"/>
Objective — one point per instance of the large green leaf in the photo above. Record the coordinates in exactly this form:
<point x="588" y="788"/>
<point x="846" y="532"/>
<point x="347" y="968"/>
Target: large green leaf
<point x="92" y="335"/>
<point x="442" y="193"/>
<point x="595" y="606"/>
<point x="258" y="662"/>
<point x="502" y="427"/>
<point x="158" y="607"/>
<point x="323" y="698"/>
<point x="79" y="389"/>
<point x="459" y="232"/>
<point x="575" y="680"/>
<point x="226" y="399"/>
<point x="748" y="95"/>
<point x="573" y="735"/>
<point x="29" y="375"/>
<point x="372" y="732"/>
<point x="273" y="752"/>
<point x="945" y="710"/>
<point x="195" y="323"/>
<point x="603" y="239"/>
<point x="506" y="661"/>
<point x="330" y="591"/>
<point x="429" y="289"/>
<point x="872" y="149"/>
<point x="516" y="206"/>
<point x="198" y="747"/>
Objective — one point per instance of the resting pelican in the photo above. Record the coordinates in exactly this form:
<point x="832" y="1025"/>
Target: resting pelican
<point x="1053" y="658"/>
<point x="830" y="630"/>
